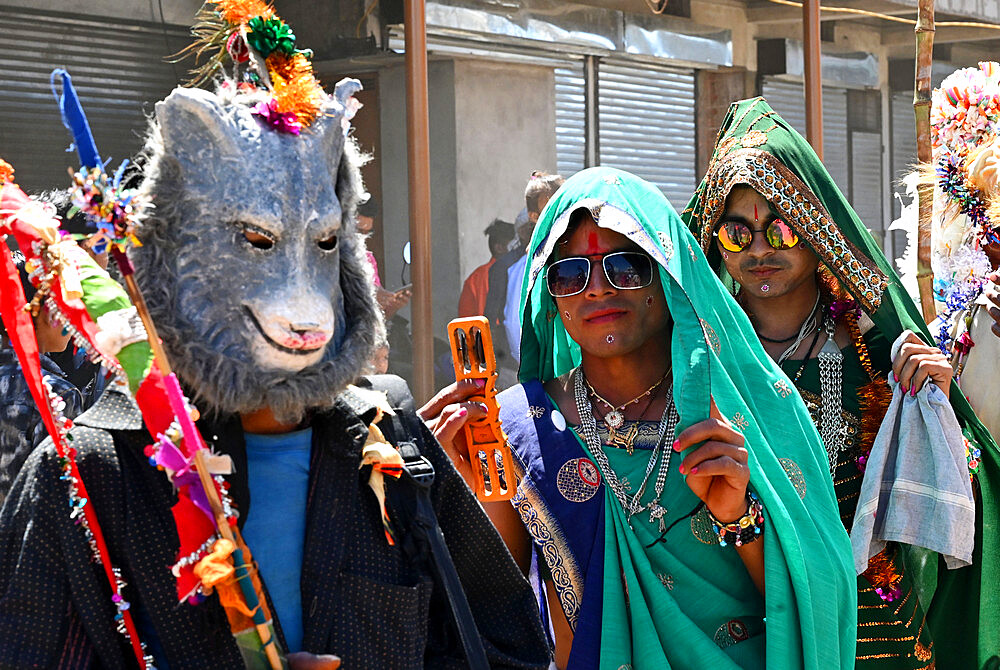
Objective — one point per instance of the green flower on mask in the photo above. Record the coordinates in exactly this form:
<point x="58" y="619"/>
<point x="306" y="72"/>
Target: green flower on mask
<point x="269" y="35"/>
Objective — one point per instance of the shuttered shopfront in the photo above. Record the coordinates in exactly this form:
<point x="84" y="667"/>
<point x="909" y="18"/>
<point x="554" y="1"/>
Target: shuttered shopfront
<point x="646" y="123"/>
<point x="118" y="70"/>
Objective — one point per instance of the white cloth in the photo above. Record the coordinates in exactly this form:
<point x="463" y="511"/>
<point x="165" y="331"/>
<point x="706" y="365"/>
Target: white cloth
<point x="916" y="488"/>
<point x="511" y="310"/>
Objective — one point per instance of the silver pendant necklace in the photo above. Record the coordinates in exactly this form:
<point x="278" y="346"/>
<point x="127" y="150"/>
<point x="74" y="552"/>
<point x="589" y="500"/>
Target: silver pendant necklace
<point x="660" y="453"/>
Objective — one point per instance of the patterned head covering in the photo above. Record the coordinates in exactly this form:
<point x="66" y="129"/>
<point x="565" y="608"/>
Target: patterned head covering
<point x="758" y="148"/>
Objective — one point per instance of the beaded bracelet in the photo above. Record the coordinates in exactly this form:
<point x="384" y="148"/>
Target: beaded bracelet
<point x="744" y="530"/>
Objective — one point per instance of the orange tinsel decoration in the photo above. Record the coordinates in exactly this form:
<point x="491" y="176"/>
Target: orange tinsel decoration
<point x="296" y="89"/>
<point x="6" y="172"/>
<point x="238" y="12"/>
<point x="873" y="397"/>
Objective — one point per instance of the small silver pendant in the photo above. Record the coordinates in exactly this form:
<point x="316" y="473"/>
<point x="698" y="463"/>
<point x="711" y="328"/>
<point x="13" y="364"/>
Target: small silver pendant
<point x="656" y="513"/>
<point x="614" y="419"/>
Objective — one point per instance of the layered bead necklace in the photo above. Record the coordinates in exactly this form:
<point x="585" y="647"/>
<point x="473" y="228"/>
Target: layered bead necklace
<point x="660" y="453"/>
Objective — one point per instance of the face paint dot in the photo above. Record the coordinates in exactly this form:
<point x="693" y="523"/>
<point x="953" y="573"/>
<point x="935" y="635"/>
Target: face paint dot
<point x="649" y="301"/>
<point x="764" y="288"/>
<point x="567" y="315"/>
<point x="610" y="339"/>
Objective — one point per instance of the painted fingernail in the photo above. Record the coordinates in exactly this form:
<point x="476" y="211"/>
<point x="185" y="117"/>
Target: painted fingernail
<point x="675" y="444"/>
<point x="481" y="383"/>
<point x="482" y="407"/>
<point x="694" y="471"/>
<point x="913" y="391"/>
<point x="462" y="412"/>
<point x="682" y="468"/>
<point x="905" y="390"/>
<point x="895" y="376"/>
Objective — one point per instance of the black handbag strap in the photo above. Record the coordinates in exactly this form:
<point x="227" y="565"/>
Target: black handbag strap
<point x="414" y="517"/>
<point x="420" y="475"/>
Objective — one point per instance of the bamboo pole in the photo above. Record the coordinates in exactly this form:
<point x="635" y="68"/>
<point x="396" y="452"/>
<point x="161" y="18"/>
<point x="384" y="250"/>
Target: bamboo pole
<point x="925" y="191"/>
<point x="418" y="153"/>
<point x="813" y="75"/>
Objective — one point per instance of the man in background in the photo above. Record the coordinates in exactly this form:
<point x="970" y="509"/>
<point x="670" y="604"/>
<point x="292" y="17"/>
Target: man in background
<point x="390" y="301"/>
<point x="540" y="189"/>
<point x="472" y="302"/>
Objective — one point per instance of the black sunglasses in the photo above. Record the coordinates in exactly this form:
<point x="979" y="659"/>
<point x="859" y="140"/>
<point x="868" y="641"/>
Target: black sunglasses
<point x="625" y="270"/>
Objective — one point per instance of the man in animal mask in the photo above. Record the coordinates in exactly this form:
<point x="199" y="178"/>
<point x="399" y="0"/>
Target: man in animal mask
<point x="827" y="307"/>
<point x="256" y="277"/>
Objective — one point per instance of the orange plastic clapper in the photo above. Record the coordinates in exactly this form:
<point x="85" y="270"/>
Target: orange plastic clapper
<point x="489" y="453"/>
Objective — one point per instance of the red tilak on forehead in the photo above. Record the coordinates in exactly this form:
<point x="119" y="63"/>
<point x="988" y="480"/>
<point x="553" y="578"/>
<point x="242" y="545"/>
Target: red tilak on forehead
<point x="593" y="246"/>
<point x="755" y="217"/>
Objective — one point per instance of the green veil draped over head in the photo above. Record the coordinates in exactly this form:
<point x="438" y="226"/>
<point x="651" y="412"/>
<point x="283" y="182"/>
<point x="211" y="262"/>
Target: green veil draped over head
<point x="758" y="148"/>
<point x="810" y="584"/>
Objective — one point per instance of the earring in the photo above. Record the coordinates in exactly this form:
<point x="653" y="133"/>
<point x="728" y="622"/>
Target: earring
<point x="567" y="315"/>
<point x="725" y="256"/>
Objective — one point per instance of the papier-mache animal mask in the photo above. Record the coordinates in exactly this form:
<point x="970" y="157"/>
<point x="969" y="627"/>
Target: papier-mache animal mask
<point x="250" y="259"/>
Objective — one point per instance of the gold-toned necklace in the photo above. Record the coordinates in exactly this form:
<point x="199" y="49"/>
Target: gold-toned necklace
<point x="616" y="417"/>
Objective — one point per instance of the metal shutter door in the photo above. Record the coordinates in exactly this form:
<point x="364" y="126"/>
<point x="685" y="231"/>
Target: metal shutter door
<point x="866" y="181"/>
<point x="647" y="125"/>
<point x="118" y="71"/>
<point x="904" y="142"/>
<point x="570" y="119"/>
<point x="788" y="99"/>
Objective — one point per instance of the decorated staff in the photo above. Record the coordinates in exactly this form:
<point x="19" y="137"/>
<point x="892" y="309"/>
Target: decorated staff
<point x="59" y="269"/>
<point x="212" y="554"/>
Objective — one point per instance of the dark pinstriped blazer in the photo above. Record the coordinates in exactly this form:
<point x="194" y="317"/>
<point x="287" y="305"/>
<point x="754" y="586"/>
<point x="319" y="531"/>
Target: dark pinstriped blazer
<point x="361" y="599"/>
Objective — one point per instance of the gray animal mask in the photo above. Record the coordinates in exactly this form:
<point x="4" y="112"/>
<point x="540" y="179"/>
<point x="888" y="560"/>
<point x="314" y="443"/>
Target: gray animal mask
<point x="250" y="261"/>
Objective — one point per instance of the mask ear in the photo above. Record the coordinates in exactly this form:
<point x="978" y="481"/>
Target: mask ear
<point x="196" y="128"/>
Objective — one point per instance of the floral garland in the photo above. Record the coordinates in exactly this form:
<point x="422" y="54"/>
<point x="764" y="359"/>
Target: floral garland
<point x="250" y="32"/>
<point x="952" y="180"/>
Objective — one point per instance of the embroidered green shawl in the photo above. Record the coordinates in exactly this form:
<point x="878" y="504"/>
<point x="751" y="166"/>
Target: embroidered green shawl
<point x="756" y="147"/>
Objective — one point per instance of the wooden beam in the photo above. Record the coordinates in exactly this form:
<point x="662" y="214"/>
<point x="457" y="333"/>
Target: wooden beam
<point x="774" y="13"/>
<point x="893" y="37"/>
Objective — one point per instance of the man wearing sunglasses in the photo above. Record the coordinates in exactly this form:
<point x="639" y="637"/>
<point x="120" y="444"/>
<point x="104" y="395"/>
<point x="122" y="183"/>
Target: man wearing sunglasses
<point x="827" y="307"/>
<point x="652" y="495"/>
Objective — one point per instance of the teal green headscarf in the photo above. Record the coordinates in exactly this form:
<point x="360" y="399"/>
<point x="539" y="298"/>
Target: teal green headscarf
<point x="810" y="584"/>
<point x="758" y="148"/>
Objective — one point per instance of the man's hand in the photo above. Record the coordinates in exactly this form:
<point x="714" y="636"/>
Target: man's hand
<point x="917" y="362"/>
<point x="391" y="302"/>
<point x="717" y="471"/>
<point x="992" y="290"/>
<point x="304" y="661"/>
<point x="447" y="413"/>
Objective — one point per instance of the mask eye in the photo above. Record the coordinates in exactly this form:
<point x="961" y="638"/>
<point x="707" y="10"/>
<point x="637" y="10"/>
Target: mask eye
<point x="257" y="239"/>
<point x="328" y="243"/>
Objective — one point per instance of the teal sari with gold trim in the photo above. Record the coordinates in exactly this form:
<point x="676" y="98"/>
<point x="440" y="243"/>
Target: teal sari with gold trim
<point x="810" y="601"/>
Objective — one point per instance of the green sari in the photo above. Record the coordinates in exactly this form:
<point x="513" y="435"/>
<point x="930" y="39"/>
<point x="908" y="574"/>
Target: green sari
<point x="810" y="605"/>
<point x="756" y="147"/>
